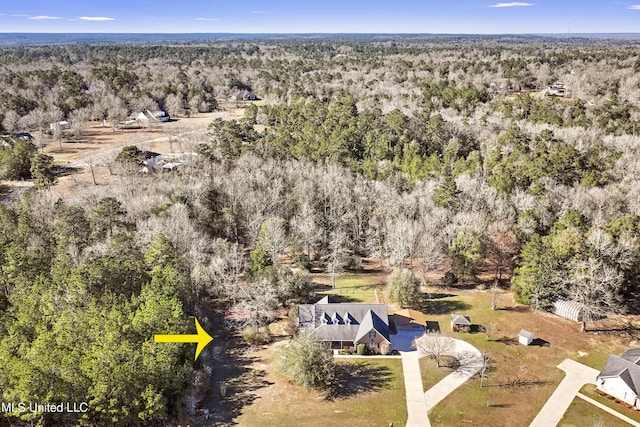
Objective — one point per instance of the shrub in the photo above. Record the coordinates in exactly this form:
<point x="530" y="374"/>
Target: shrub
<point x="449" y="279"/>
<point x="254" y="336"/>
<point x="403" y="288"/>
<point x="308" y="362"/>
<point x="361" y="350"/>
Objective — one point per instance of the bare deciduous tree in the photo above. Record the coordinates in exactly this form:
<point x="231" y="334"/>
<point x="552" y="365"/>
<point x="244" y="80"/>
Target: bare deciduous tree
<point x="502" y="246"/>
<point x="337" y="256"/>
<point x="597" y="286"/>
<point x="434" y="344"/>
<point x="274" y="237"/>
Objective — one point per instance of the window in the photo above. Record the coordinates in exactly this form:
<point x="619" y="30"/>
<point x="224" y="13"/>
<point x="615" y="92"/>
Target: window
<point x="372" y="334"/>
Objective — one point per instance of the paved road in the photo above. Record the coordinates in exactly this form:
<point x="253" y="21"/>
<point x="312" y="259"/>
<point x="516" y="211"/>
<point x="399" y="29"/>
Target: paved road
<point x="577" y="376"/>
<point x="471" y="362"/>
<point x="416" y="409"/>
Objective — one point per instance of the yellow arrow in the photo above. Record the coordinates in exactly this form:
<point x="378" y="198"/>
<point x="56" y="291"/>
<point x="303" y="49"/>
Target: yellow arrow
<point x="202" y="338"/>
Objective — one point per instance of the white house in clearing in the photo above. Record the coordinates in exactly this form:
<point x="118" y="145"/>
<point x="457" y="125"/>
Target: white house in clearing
<point x="620" y="377"/>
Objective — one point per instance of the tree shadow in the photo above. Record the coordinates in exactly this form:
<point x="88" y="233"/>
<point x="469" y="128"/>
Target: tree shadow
<point x="515" y="308"/>
<point x="442" y="306"/>
<point x="232" y="382"/>
<point x="361" y="377"/>
<point x="506" y="340"/>
<point x="438" y="295"/>
<point x="627" y="329"/>
<point x="342" y="298"/>
<point x="65" y="171"/>
<point x="476" y="328"/>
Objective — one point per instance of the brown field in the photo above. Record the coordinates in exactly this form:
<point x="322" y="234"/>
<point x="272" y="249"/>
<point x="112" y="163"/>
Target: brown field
<point x="375" y="397"/>
<point x="99" y="144"/>
<point x="498" y="403"/>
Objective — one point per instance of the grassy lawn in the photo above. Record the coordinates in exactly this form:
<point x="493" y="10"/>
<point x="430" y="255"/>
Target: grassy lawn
<point x="351" y="287"/>
<point x="582" y="414"/>
<point x="497" y="403"/>
<point x="373" y="396"/>
<point x="589" y="391"/>
<point x="431" y="373"/>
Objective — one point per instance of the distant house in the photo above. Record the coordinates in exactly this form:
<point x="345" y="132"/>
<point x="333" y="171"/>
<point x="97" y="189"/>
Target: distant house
<point x="62" y="125"/>
<point x="151" y="116"/>
<point x="460" y="323"/>
<point x="151" y="161"/>
<point x="172" y="166"/>
<point x="525" y="337"/>
<point x="620" y="377"/>
<point x="557" y="89"/>
<point x="571" y="310"/>
<point x="8" y="140"/>
<point x="246" y="95"/>
<point x="346" y="325"/>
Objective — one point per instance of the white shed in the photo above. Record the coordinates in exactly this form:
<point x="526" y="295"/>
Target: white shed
<point x="525" y="337"/>
<point x="62" y="125"/>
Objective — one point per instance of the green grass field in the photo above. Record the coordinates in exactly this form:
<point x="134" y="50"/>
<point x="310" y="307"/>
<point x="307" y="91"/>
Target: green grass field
<point x="589" y="391"/>
<point x="351" y="287"/>
<point x="373" y="397"/>
<point x="431" y="373"/>
<point x="584" y="414"/>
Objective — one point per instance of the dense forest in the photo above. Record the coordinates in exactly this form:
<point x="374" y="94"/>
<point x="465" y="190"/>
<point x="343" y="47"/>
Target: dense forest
<point x="427" y="154"/>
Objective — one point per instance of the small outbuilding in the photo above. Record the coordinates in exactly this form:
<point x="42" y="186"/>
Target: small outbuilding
<point x="62" y="125"/>
<point x="571" y="310"/>
<point x="460" y="323"/>
<point x="246" y="95"/>
<point x="525" y="337"/>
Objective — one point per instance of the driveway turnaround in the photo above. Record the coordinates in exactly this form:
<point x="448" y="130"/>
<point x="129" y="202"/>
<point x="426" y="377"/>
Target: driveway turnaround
<point x="470" y="363"/>
<point x="416" y="409"/>
<point x="577" y="376"/>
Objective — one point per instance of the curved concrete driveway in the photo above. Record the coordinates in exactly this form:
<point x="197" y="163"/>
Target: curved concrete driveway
<point x="577" y="376"/>
<point x="418" y="402"/>
<point x="470" y="363"/>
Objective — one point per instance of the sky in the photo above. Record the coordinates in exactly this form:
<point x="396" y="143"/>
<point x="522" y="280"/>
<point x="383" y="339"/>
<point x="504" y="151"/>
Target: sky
<point x="321" y="16"/>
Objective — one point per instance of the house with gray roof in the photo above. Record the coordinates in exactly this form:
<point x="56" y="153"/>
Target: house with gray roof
<point x="346" y="325"/>
<point x="620" y="377"/>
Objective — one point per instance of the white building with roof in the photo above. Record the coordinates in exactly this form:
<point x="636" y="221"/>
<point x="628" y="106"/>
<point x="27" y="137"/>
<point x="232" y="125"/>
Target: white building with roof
<point x="620" y="377"/>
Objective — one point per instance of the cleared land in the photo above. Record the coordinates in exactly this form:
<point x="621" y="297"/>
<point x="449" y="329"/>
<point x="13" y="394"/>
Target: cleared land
<point x="373" y="396"/>
<point x="99" y="144"/>
<point x="359" y="286"/>
<point x="523" y="377"/>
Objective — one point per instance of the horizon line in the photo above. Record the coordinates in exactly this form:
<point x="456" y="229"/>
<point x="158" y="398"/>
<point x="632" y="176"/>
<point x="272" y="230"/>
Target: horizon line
<point x="319" y="32"/>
